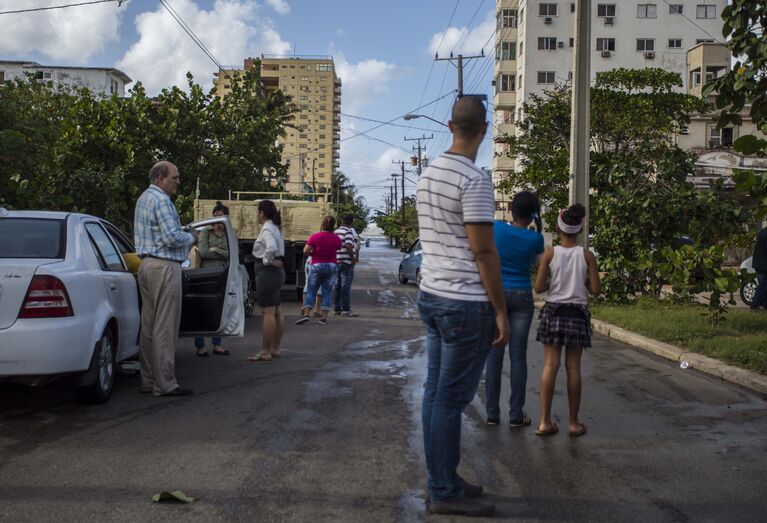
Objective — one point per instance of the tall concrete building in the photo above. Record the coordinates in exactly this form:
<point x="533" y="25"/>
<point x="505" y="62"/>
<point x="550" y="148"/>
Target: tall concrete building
<point x="312" y="151"/>
<point x="534" y="47"/>
<point x="104" y="81"/>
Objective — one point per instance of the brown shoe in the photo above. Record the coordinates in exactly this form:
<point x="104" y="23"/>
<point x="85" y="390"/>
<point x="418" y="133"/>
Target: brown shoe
<point x="463" y="506"/>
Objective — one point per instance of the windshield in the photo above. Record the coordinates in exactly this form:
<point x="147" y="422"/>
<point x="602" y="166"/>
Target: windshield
<point x="31" y="238"/>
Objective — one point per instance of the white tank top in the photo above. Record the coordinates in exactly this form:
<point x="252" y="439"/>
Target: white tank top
<point x="569" y="274"/>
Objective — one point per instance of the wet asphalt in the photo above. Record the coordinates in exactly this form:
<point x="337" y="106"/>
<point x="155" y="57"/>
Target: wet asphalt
<point x="331" y="432"/>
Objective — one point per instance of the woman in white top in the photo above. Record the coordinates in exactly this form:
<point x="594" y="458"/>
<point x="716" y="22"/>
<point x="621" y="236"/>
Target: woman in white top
<point x="269" y="251"/>
<point x="568" y="272"/>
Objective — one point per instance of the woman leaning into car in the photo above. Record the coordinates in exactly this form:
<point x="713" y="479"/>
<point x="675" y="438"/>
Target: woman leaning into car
<point x="269" y="251"/>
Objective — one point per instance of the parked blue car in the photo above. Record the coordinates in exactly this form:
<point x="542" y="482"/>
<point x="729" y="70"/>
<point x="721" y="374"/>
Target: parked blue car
<point x="410" y="266"/>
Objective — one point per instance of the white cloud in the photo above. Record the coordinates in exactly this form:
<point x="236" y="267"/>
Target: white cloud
<point x="465" y="42"/>
<point x="281" y="6"/>
<point x="362" y="82"/>
<point x="232" y="30"/>
<point x="69" y="35"/>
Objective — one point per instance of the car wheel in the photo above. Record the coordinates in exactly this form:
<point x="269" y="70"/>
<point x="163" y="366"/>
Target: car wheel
<point x="401" y="275"/>
<point x="418" y="277"/>
<point x="95" y="385"/>
<point x="747" y="292"/>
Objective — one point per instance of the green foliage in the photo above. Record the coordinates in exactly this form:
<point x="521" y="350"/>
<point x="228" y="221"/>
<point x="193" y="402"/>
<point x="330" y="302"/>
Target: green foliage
<point x="71" y="150"/>
<point x="641" y="201"/>
<point x="346" y="201"/>
<point x="392" y="224"/>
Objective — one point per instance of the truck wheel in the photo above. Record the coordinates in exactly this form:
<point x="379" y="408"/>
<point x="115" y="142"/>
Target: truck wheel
<point x="95" y="384"/>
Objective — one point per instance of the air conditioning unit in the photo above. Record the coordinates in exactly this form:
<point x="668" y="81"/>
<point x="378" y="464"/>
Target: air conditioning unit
<point x="548" y="20"/>
<point x="605" y="54"/>
<point x="608" y="20"/>
<point x="649" y="55"/>
<point x="560" y="44"/>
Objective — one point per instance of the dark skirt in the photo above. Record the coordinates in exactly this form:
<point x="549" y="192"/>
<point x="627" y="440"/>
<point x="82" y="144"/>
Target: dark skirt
<point x="564" y="324"/>
<point x="269" y="281"/>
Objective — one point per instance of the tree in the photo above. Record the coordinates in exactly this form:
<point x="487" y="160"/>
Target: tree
<point x="71" y="150"/>
<point x="641" y="200"/>
<point x="393" y="226"/>
<point x="745" y="85"/>
<point x="346" y="201"/>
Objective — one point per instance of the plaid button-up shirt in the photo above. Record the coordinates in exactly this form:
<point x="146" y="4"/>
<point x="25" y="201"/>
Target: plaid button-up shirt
<point x="157" y="229"/>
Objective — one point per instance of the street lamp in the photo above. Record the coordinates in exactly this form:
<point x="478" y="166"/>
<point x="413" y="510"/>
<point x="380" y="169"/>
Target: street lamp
<point x="414" y="116"/>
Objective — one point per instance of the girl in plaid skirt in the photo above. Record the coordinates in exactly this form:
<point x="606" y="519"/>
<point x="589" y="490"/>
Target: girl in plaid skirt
<point x="569" y="273"/>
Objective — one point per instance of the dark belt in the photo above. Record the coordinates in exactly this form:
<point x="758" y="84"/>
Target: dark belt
<point x="261" y="260"/>
<point x="144" y="256"/>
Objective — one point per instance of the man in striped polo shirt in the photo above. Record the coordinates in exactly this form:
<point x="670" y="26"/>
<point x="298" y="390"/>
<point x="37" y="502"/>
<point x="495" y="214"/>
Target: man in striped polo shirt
<point x="347" y="258"/>
<point x="461" y="302"/>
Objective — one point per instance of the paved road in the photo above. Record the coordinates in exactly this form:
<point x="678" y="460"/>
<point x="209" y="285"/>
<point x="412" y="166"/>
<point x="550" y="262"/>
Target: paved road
<point x="331" y="432"/>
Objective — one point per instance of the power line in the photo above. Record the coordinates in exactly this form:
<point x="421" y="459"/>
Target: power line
<point x="696" y="25"/>
<point x="466" y="29"/>
<point x="392" y="124"/>
<point x="428" y="78"/>
<point x="188" y="31"/>
<point x="48" y="8"/>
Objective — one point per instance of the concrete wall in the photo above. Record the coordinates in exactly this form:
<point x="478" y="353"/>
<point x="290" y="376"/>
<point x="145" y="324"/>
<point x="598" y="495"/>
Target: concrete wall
<point x="101" y="81"/>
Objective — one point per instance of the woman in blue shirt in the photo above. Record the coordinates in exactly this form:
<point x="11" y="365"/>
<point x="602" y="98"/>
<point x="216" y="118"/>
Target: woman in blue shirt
<point x="518" y="248"/>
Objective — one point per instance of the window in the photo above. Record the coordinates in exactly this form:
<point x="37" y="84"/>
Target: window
<point x="322" y="137"/>
<point x="521" y="46"/>
<point x="2" y="76"/>
<point x="697" y="76"/>
<point x="506" y="51"/>
<point x="675" y="9"/>
<point x="546" y="77"/>
<point x="323" y="97"/>
<point x="646" y="10"/>
<point x="109" y="258"/>
<point x="705" y="11"/>
<point x="322" y="155"/>
<point x="227" y="86"/>
<point x="547" y="42"/>
<point x="675" y="43"/>
<point x="302" y="136"/>
<point x="606" y="10"/>
<point x="323" y="107"/>
<point x="703" y="41"/>
<point x="32" y="238"/>
<point x="572" y="42"/>
<point x="505" y="83"/>
<point x="645" y="44"/>
<point x="323" y="67"/>
<point x="304" y="78"/>
<point x="507" y="18"/>
<point x="304" y="97"/>
<point x="323" y="89"/>
<point x="323" y="126"/>
<point x="605" y="44"/>
<point x="572" y="7"/>
<point x="507" y="116"/>
<point x="547" y="9"/>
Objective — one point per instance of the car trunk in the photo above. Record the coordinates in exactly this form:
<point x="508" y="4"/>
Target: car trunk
<point x="15" y="276"/>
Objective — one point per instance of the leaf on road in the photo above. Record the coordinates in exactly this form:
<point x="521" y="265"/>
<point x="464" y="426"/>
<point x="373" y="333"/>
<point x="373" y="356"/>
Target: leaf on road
<point x="176" y="495"/>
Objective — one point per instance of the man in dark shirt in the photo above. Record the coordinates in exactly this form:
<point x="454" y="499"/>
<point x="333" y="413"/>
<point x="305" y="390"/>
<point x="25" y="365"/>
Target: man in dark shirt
<point x="759" y="262"/>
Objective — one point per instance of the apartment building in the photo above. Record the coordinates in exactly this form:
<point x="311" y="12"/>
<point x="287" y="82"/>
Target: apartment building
<point x="534" y="47"/>
<point x="104" y="81"/>
<point x="312" y="151"/>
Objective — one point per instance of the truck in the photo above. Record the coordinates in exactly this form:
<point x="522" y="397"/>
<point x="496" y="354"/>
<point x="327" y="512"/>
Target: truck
<point x="302" y="216"/>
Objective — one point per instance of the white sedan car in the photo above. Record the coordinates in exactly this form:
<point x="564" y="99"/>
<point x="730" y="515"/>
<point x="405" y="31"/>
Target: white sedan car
<point x="68" y="303"/>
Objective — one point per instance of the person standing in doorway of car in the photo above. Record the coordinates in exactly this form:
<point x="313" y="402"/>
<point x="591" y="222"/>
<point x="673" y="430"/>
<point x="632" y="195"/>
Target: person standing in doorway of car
<point x="347" y="258"/>
<point x="214" y="251"/>
<point x="461" y="302"/>
<point x="518" y="248"/>
<point x="269" y="251"/>
<point x="163" y="245"/>
<point x="759" y="263"/>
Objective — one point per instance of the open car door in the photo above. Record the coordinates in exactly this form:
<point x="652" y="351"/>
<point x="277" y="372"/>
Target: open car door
<point x="213" y="301"/>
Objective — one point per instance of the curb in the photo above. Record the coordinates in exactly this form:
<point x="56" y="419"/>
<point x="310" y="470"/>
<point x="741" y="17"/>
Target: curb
<point x="742" y="377"/>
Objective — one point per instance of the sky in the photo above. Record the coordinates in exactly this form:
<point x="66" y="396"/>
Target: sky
<point x="383" y="51"/>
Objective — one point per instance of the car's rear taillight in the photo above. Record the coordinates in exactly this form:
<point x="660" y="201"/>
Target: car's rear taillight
<point x="46" y="298"/>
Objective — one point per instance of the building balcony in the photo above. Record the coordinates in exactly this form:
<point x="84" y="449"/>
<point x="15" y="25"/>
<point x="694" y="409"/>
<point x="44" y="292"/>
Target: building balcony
<point x="505" y="98"/>
<point x="503" y="163"/>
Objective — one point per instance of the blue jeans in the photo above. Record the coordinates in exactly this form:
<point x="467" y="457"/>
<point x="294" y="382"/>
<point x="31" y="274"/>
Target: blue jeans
<point x="199" y="341"/>
<point x="760" y="296"/>
<point x="323" y="275"/>
<point x="344" y="286"/>
<point x="458" y="338"/>
<point x="519" y="303"/>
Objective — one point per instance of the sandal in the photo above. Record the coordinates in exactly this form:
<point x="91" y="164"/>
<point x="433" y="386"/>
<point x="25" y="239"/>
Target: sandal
<point x="548" y="432"/>
<point x="202" y="353"/>
<point x="220" y="351"/>
<point x="259" y="357"/>
<point x="579" y="432"/>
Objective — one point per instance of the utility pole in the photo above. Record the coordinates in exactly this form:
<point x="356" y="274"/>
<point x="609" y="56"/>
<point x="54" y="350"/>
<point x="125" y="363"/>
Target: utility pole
<point x="580" y="114"/>
<point x="402" y="207"/>
<point x="390" y="206"/>
<point x="301" y="173"/>
<point x="314" y="179"/>
<point x="424" y="137"/>
<point x="396" y="197"/>
<point x="459" y="65"/>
